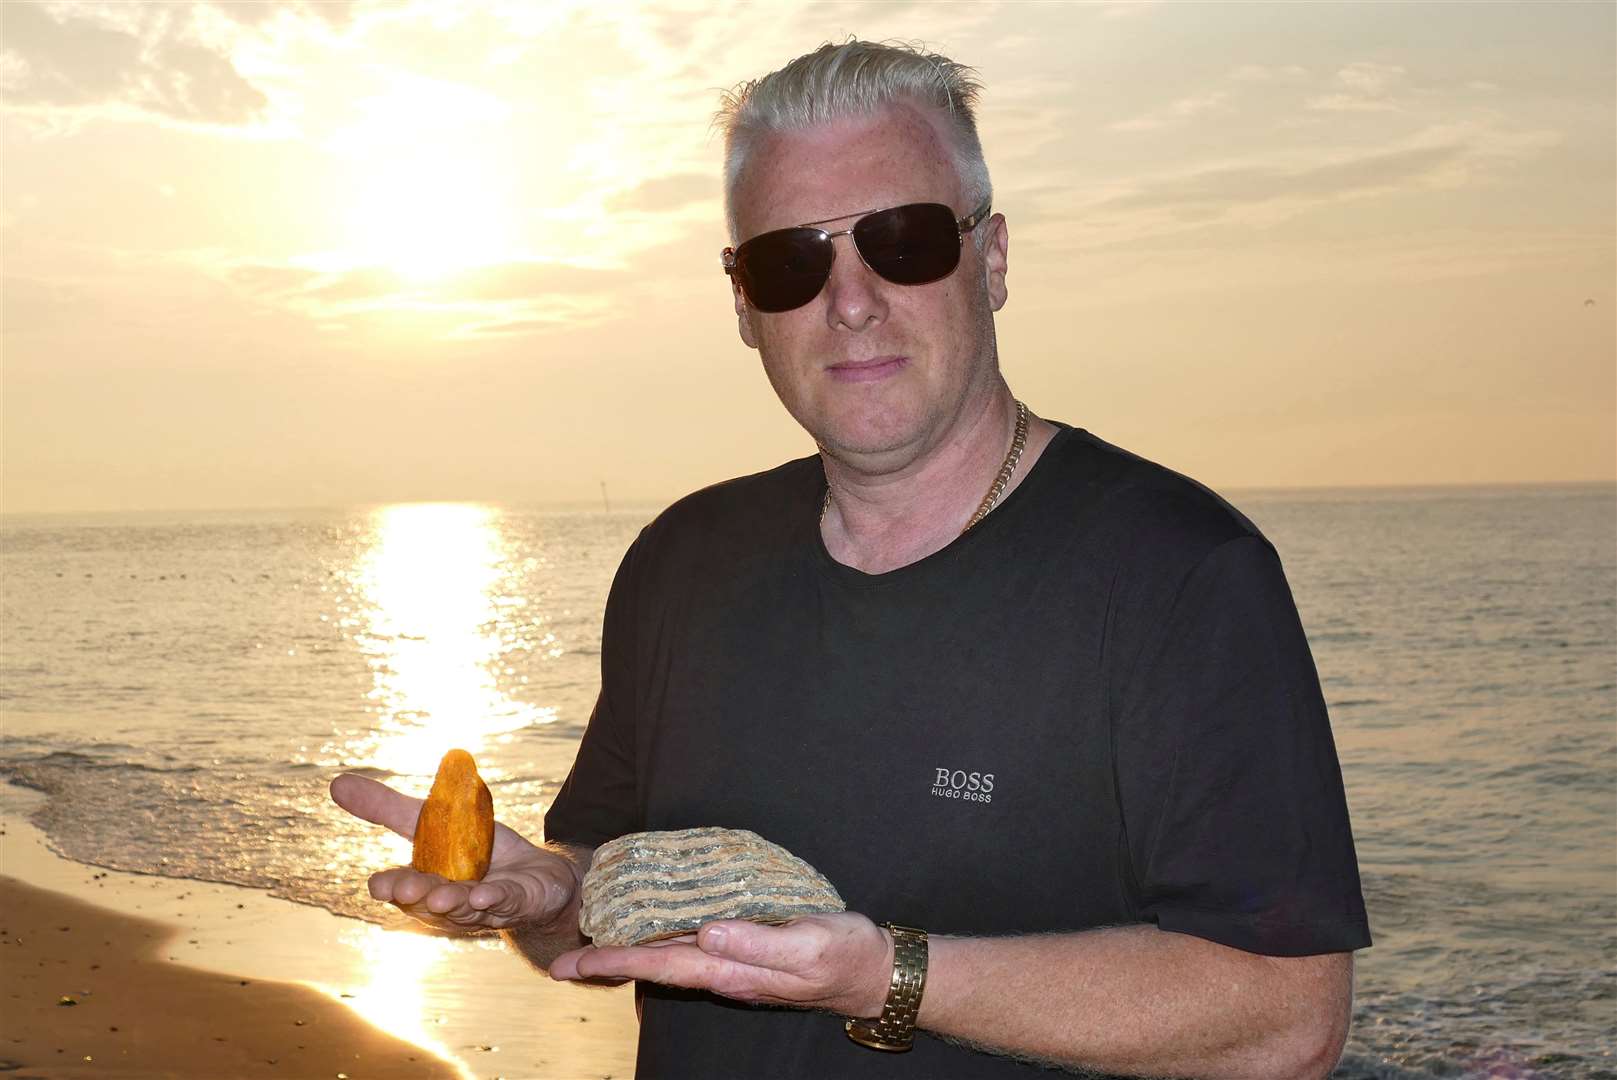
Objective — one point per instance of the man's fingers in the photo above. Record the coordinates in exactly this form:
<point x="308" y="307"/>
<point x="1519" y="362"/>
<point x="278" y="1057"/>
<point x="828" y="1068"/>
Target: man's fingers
<point x="815" y="961"/>
<point x="450" y="904"/>
<point x="712" y="959"/>
<point x="524" y="882"/>
<point x="781" y="948"/>
<point x="500" y="899"/>
<point x="673" y="965"/>
<point x="449" y="899"/>
<point x="565" y="968"/>
<point x="402" y="885"/>
<point x="376" y="803"/>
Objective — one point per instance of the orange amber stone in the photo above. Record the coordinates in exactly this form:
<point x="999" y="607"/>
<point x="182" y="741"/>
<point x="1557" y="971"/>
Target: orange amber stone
<point x="454" y="836"/>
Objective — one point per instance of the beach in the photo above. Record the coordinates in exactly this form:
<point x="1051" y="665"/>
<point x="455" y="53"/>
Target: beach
<point x="90" y="992"/>
<point x="178" y="691"/>
<point x="111" y="974"/>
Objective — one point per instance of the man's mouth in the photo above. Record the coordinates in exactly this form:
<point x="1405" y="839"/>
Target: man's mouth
<point x="877" y="367"/>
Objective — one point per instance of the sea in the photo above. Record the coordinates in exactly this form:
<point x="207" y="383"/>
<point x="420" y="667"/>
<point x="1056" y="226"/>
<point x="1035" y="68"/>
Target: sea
<point x="181" y="687"/>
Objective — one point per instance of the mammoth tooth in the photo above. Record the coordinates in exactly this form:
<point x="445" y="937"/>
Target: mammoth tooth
<point x="651" y="885"/>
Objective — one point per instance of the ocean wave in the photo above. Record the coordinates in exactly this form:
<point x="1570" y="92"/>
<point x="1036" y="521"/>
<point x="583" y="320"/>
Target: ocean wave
<point x="78" y="760"/>
<point x="1369" y="1067"/>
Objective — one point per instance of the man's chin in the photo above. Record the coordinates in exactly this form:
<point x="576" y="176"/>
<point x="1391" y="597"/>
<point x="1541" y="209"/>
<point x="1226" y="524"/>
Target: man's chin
<point x="870" y="451"/>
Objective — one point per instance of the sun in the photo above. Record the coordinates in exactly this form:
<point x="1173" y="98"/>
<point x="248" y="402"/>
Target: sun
<point x="430" y="179"/>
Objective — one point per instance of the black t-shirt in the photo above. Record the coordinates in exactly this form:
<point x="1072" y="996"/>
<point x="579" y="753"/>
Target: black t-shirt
<point x="1095" y="708"/>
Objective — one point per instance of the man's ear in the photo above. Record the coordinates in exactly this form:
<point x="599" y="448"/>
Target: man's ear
<point x="744" y="317"/>
<point x="997" y="259"/>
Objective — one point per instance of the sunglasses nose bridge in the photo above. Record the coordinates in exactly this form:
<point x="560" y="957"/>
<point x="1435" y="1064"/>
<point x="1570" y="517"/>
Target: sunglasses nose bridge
<point x="853" y="241"/>
<point x="854" y="289"/>
<point x="831" y="237"/>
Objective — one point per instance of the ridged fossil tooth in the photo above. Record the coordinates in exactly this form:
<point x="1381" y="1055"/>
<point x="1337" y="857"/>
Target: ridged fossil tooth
<point x="651" y="885"/>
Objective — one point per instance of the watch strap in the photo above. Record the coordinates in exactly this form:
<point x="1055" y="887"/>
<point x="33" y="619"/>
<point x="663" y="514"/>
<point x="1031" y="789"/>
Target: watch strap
<point x="895" y="1028"/>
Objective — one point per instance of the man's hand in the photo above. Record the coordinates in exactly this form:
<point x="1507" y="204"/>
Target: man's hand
<point x="841" y="963"/>
<point x="524" y="884"/>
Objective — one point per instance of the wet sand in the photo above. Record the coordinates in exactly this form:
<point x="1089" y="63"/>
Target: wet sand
<point x="175" y="978"/>
<point x="89" y="992"/>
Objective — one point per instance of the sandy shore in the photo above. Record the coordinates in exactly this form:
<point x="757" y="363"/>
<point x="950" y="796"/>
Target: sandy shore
<point x="89" y="993"/>
<point x="173" y="978"/>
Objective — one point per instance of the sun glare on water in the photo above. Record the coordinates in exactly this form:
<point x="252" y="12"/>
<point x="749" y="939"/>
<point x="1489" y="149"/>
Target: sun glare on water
<point x="435" y="625"/>
<point x="432" y="582"/>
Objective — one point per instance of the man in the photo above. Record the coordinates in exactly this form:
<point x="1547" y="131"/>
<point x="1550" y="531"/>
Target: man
<point x="999" y="681"/>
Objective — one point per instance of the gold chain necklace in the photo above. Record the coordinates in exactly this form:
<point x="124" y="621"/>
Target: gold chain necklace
<point x="995" y="490"/>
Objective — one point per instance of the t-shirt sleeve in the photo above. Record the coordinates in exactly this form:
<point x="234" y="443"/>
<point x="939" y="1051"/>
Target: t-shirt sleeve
<point x="599" y="800"/>
<point x="1235" y="818"/>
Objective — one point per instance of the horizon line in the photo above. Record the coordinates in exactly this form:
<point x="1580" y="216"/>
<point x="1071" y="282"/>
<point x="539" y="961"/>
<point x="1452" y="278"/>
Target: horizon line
<point x="644" y="502"/>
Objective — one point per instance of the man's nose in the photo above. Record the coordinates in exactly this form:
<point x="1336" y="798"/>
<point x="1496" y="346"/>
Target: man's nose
<point x="857" y="294"/>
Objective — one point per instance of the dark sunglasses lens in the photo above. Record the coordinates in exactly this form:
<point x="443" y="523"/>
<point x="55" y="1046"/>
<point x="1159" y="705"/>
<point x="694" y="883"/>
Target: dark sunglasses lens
<point x="910" y="245"/>
<point x="785" y="269"/>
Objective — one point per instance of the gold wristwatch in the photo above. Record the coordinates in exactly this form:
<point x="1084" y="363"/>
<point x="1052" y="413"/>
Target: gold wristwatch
<point x="895" y="1028"/>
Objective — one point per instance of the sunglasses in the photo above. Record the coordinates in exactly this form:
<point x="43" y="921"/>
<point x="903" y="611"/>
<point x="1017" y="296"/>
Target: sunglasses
<point x="907" y="245"/>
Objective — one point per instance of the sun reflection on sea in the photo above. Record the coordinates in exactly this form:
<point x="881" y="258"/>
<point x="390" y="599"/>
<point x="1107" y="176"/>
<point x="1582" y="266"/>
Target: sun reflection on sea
<point x="435" y="589"/>
<point x="396" y="999"/>
<point x="431" y="630"/>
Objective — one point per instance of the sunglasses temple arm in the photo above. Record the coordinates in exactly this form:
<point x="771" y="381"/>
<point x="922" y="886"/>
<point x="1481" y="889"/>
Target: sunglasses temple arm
<point x="975" y="218"/>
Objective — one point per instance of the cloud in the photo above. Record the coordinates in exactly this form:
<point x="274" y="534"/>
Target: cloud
<point x="1264" y="190"/>
<point x="817" y="16"/>
<point x="666" y="193"/>
<point x="525" y="280"/>
<point x="29" y="305"/>
<point x="502" y="300"/>
<point x="1127" y="9"/>
<point x="262" y="279"/>
<point x="1364" y="86"/>
<point x="1177" y="112"/>
<point x="1259" y="73"/>
<point x="337" y="14"/>
<point x="83" y="60"/>
<point x="1217" y="189"/>
<point x="504" y="328"/>
<point x="363" y="285"/>
<point x="521" y="296"/>
<point x="1370" y="78"/>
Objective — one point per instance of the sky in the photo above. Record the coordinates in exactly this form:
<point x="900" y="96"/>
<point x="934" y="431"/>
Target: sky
<point x="314" y="254"/>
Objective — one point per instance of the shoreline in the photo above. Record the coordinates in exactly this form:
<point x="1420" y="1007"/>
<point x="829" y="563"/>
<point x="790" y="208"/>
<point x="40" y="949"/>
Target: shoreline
<point x="201" y="970"/>
<point x="89" y="992"/>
